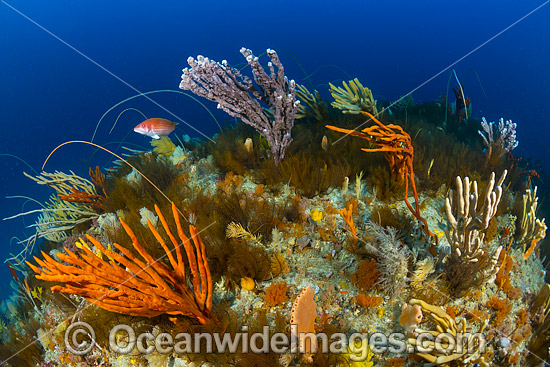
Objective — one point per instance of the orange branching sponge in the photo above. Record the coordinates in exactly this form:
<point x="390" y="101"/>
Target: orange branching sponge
<point x="522" y="317"/>
<point x="451" y="311"/>
<point x="83" y="197"/>
<point x="303" y="315"/>
<point x="128" y="285"/>
<point x="502" y="279"/>
<point x="501" y="307"/>
<point x="398" y="150"/>
<point x="275" y="294"/>
<point x="98" y="178"/>
<point x="347" y="216"/>
<point x="394" y="142"/>
<point x="79" y="196"/>
<point x="533" y="245"/>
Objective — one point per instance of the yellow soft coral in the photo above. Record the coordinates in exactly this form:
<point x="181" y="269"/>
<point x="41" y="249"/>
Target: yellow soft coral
<point x="247" y="283"/>
<point x="316" y="215"/>
<point x="163" y="146"/>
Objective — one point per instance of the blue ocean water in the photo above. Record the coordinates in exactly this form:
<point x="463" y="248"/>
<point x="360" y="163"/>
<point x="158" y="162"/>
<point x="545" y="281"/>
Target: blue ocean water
<point x="64" y="63"/>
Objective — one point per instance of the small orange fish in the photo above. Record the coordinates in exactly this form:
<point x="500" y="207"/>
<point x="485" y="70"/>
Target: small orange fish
<point x="155" y="127"/>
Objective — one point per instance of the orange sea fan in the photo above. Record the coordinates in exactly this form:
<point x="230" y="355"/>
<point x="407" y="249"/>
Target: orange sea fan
<point x="128" y="285"/>
<point x="303" y="315"/>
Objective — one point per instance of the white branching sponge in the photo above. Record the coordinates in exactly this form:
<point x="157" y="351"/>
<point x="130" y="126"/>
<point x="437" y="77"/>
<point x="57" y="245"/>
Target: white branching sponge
<point x="499" y="139"/>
